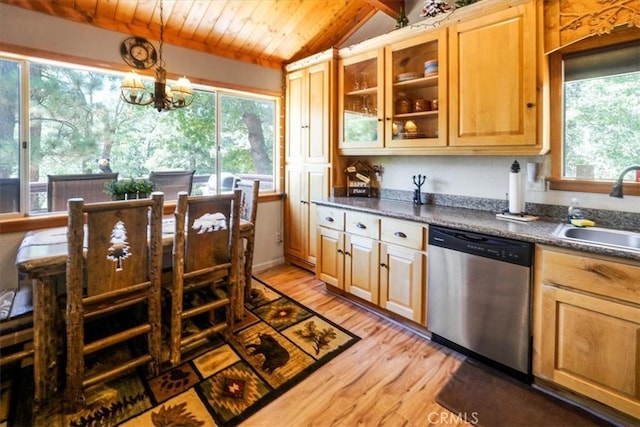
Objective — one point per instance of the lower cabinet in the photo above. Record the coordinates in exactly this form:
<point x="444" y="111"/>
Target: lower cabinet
<point x="402" y="273"/>
<point x="361" y="267"/>
<point x="379" y="260"/>
<point x="587" y="326"/>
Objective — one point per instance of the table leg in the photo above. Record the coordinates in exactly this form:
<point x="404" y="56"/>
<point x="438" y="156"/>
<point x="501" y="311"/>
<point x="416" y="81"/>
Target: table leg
<point x="44" y="338"/>
<point x="238" y="308"/>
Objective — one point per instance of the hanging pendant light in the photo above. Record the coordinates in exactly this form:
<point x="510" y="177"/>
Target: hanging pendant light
<point x="163" y="97"/>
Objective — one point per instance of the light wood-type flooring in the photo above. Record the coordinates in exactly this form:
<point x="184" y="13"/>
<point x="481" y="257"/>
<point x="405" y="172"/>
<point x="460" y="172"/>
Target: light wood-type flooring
<point x="389" y="378"/>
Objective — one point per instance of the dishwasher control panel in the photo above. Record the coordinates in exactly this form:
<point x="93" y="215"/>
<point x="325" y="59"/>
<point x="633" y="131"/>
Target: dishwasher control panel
<point x="499" y="248"/>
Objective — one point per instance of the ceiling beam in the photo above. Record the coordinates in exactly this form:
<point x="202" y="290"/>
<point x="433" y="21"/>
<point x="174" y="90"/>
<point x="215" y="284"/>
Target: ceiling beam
<point x="390" y="7"/>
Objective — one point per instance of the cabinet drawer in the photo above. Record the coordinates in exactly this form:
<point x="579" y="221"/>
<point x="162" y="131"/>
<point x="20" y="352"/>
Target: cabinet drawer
<point x="331" y="218"/>
<point x="403" y="233"/>
<point x="598" y="275"/>
<point x="362" y="224"/>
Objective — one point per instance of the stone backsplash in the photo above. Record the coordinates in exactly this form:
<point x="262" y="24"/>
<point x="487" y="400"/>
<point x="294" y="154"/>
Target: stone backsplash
<point x="603" y="218"/>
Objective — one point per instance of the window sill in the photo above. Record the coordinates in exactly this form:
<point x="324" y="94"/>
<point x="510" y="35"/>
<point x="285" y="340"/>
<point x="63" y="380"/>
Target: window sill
<point x="591" y="186"/>
<point x="27" y="223"/>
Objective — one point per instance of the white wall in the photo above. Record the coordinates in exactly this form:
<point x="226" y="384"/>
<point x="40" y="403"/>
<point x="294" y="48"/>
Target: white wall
<point x="486" y="177"/>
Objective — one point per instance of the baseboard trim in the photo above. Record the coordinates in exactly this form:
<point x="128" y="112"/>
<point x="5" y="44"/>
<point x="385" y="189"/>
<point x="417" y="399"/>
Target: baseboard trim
<point x="267" y="264"/>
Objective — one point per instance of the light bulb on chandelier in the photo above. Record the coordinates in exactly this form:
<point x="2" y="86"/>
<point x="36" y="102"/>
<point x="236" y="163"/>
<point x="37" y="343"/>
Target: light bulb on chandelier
<point x="133" y="91"/>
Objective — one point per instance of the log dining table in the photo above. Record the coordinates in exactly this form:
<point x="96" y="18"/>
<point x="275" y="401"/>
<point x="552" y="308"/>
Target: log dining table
<point x="42" y="257"/>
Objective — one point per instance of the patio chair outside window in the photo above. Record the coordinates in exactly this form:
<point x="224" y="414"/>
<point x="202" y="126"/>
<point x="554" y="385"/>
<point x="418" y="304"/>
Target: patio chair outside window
<point x="89" y="187"/>
<point x="9" y="195"/>
<point x="172" y="182"/>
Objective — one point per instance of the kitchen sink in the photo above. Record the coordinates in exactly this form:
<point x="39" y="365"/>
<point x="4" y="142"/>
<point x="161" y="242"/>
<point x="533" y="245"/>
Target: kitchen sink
<point x="600" y="236"/>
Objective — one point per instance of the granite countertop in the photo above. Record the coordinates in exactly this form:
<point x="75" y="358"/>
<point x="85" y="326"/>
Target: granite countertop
<point x="540" y="231"/>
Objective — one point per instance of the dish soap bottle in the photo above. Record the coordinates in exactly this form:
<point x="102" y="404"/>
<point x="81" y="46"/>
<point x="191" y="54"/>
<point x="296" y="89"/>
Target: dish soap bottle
<point x="574" y="211"/>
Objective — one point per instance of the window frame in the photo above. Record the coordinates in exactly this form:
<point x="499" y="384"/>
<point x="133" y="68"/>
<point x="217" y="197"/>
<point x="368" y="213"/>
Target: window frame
<point x="24" y="221"/>
<point x="556" y="110"/>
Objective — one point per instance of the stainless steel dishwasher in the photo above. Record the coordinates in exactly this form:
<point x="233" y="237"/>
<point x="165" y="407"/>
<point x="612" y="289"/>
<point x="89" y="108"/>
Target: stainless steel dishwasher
<point x="479" y="299"/>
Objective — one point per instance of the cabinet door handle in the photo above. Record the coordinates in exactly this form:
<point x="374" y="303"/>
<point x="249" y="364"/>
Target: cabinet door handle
<point x="340" y="251"/>
<point x="400" y="234"/>
<point x="328" y="218"/>
<point x="303" y="202"/>
<point x="530" y="104"/>
<point x="347" y="253"/>
<point x="361" y="226"/>
<point x="383" y="265"/>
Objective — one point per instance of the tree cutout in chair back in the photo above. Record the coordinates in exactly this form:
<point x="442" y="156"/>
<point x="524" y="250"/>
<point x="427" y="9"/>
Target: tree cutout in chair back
<point x="209" y="223"/>
<point x="119" y="248"/>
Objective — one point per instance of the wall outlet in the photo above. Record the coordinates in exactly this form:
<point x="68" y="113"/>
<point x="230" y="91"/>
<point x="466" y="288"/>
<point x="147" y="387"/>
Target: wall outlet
<point x="278" y="236"/>
<point x="538" y="186"/>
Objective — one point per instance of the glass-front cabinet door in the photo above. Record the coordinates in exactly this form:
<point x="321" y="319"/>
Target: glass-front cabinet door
<point x="415" y="100"/>
<point x="361" y="100"/>
<point x="394" y="97"/>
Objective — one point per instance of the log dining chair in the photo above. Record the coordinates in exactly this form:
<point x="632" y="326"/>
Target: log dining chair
<point x="89" y="187"/>
<point x="201" y="293"/>
<point x="172" y="182"/>
<point x="248" y="215"/>
<point x="113" y="291"/>
<point x="16" y="325"/>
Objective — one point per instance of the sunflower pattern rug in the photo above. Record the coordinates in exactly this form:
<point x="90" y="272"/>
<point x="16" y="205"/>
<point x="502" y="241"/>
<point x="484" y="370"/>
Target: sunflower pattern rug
<point x="277" y="345"/>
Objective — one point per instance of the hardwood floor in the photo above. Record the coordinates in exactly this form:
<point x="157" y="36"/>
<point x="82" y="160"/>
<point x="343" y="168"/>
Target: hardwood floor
<point x="390" y="377"/>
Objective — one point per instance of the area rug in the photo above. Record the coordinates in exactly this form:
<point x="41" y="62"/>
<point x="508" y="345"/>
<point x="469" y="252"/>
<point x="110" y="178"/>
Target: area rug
<point x="278" y="344"/>
<point x="484" y="396"/>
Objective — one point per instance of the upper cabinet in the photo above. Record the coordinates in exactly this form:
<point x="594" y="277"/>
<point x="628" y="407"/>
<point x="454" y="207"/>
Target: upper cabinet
<point x="394" y="97"/>
<point x="308" y="128"/>
<point x="474" y="85"/>
<point x="493" y="79"/>
<point x="361" y="100"/>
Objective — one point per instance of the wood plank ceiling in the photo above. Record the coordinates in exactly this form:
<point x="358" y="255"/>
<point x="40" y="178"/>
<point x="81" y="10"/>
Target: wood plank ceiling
<point x="265" y="32"/>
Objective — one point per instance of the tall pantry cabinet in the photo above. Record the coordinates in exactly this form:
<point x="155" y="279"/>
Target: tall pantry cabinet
<point x="309" y="133"/>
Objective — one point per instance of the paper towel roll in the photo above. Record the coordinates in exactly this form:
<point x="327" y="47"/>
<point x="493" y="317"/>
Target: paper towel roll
<point x="515" y="189"/>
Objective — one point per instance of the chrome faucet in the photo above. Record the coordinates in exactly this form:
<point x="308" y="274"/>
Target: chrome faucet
<point x="616" y="191"/>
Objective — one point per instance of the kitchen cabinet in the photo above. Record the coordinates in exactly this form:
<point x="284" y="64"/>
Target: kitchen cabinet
<point x="493" y="69"/>
<point x="379" y="260"/>
<point x="330" y="250"/>
<point x="362" y="255"/>
<point x="386" y="99"/>
<point x="587" y="326"/>
<point x="303" y="184"/>
<point x="488" y="86"/>
<point x="309" y="132"/>
<point x="403" y="264"/>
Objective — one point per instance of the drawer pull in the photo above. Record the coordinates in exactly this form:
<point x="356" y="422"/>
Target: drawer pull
<point x="400" y="234"/>
<point x="383" y="265"/>
<point x="329" y="219"/>
<point x="361" y="226"/>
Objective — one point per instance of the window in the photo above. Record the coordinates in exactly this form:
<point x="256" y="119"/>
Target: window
<point x="76" y="124"/>
<point x="596" y="114"/>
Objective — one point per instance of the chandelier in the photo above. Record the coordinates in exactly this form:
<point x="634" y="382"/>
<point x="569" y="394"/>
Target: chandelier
<point x="163" y="97"/>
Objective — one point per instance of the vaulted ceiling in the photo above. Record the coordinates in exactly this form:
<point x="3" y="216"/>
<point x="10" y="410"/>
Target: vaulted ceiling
<point x="265" y="32"/>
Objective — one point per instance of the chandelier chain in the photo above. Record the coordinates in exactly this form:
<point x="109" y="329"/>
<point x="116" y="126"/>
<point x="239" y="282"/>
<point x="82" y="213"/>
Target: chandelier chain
<point x="161" y="62"/>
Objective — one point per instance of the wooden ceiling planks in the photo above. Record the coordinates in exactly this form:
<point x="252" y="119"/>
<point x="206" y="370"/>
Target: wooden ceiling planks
<point x="266" y="32"/>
